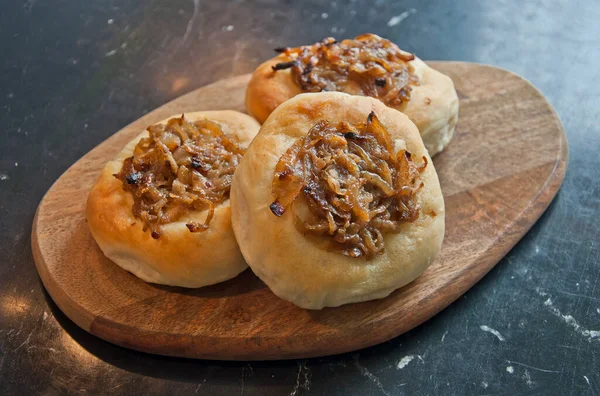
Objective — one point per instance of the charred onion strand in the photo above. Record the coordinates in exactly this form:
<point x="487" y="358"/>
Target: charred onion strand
<point x="367" y="65"/>
<point x="179" y="167"/>
<point x="353" y="182"/>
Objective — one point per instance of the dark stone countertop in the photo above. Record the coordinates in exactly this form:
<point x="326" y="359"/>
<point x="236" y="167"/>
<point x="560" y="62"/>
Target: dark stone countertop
<point x="74" y="72"/>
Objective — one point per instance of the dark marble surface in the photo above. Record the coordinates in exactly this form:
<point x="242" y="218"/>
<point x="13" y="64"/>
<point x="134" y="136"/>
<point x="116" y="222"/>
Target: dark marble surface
<point x="74" y="72"/>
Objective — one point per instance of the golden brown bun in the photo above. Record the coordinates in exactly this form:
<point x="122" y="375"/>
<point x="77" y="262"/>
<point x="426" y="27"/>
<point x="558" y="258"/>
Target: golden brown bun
<point x="433" y="106"/>
<point x="179" y="257"/>
<point x="291" y="265"/>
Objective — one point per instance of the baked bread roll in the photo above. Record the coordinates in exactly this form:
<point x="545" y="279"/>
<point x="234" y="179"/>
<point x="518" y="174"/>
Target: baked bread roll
<point x="337" y="201"/>
<point x="367" y="65"/>
<point x="160" y="209"/>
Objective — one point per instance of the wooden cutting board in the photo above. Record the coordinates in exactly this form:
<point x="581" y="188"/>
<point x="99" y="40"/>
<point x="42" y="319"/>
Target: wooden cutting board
<point x="499" y="173"/>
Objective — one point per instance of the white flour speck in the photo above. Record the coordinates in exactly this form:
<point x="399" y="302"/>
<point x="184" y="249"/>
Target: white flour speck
<point x="598" y="310"/>
<point x="494" y="332"/>
<point x="484" y="384"/>
<point x="405" y="361"/>
<point x="324" y="15"/>
<point x="510" y="369"/>
<point x="527" y="378"/>
<point x="571" y="321"/>
<point x="4" y="176"/>
<point x="399" y="18"/>
<point x="110" y="21"/>
<point x="230" y="28"/>
<point x="334" y="30"/>
<point x="45" y="315"/>
<point x="111" y="53"/>
<point x="16" y="164"/>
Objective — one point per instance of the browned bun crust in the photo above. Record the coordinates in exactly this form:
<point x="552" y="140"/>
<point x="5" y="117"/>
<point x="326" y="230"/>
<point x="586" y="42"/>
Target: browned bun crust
<point x="290" y="264"/>
<point x="179" y="257"/>
<point x="433" y="107"/>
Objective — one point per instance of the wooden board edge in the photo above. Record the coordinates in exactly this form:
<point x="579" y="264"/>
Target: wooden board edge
<point x="67" y="305"/>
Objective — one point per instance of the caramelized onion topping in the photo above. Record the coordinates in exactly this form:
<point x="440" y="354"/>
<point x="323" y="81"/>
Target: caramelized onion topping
<point x="367" y="65"/>
<point x="181" y="166"/>
<point x="354" y="184"/>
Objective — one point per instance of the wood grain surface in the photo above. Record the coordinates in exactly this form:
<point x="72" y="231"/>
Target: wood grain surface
<point x="499" y="173"/>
